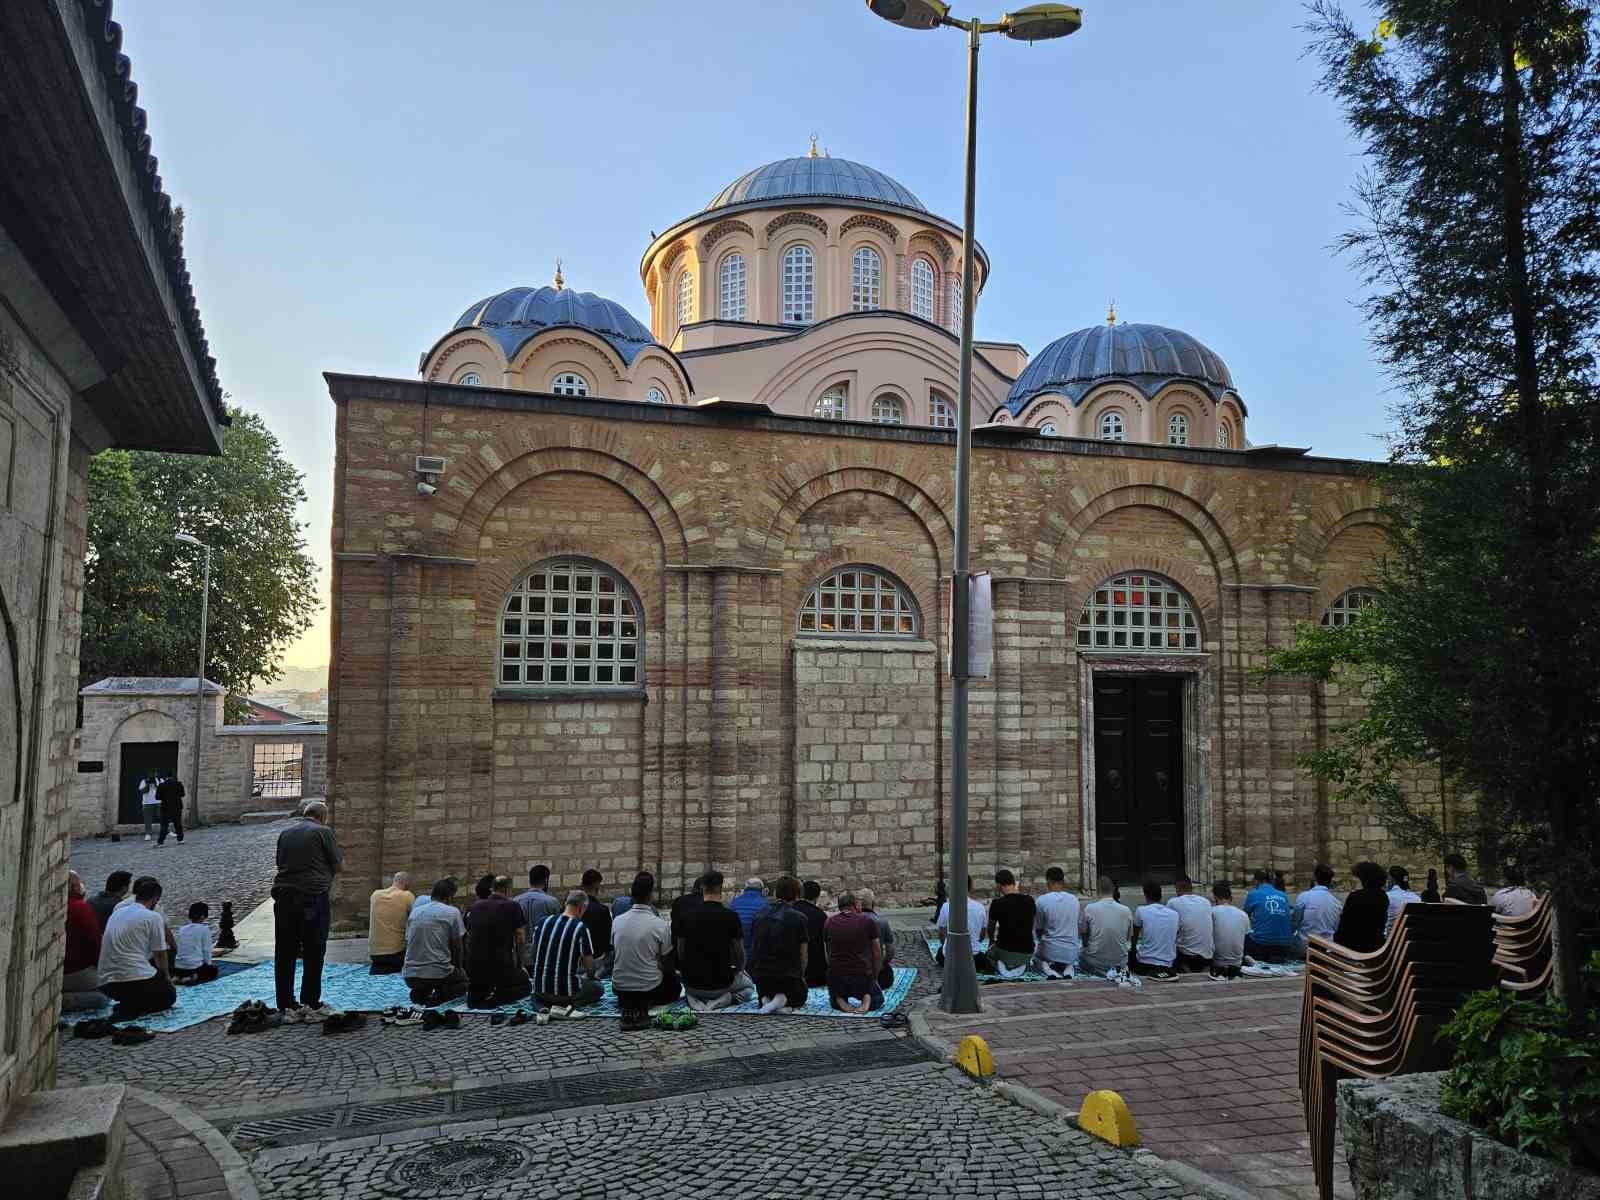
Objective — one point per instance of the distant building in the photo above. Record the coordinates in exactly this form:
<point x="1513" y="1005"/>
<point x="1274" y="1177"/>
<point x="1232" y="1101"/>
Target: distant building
<point x="262" y="713"/>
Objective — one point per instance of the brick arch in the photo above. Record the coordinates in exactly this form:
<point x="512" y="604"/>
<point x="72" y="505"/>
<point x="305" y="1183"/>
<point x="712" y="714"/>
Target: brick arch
<point x="485" y="480"/>
<point x="1217" y="530"/>
<point x="864" y="221"/>
<point x="923" y="586"/>
<point x="1206" y="599"/>
<point x="801" y="486"/>
<point x="1336" y="517"/>
<point x="1331" y="585"/>
<point x="809" y="220"/>
<point x="640" y="568"/>
<point x="721" y="230"/>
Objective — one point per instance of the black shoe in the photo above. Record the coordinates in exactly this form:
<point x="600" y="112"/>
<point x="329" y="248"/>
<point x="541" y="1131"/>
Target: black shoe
<point x="132" y="1035"/>
<point x="120" y="1013"/>
<point x="432" y="1019"/>
<point x="99" y="1027"/>
<point x="520" y="1017"/>
<point x="450" y="1020"/>
<point x="499" y="1018"/>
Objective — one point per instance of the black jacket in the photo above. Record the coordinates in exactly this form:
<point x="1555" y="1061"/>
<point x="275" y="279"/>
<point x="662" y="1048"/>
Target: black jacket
<point x="170" y="793"/>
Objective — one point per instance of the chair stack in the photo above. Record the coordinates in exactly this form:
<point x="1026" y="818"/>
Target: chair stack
<point x="1524" y="949"/>
<point x="1375" y="1015"/>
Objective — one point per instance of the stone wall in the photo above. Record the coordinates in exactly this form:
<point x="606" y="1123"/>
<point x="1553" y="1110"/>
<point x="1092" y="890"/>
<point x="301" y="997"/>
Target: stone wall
<point x="720" y="521"/>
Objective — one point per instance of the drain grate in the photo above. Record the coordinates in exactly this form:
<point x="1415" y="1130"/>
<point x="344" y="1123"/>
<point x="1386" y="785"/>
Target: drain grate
<point x="395" y="1110"/>
<point x="274" y="1129"/>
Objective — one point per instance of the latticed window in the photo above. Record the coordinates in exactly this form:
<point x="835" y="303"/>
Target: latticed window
<point x="859" y="600"/>
<point x="655" y="396"/>
<point x="570" y="623"/>
<point x="1344" y="609"/>
<point x="569" y="383"/>
<point x="887" y="410"/>
<point x="922" y="289"/>
<point x="470" y="379"/>
<point x="1139" y="614"/>
<point x="833" y="404"/>
<point x="941" y="412"/>
<point x="799" y="286"/>
<point x="1224" y="436"/>
<point x="685" y="298"/>
<point x="277" y="770"/>
<point x="1047" y="429"/>
<point x="866" y="280"/>
<point x="1111" y="428"/>
<point x="1177" y="430"/>
<point x="730" y="288"/>
<point x="952" y="316"/>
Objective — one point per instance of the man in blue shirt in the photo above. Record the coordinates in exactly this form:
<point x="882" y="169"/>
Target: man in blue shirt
<point x="1271" y="935"/>
<point x="750" y="904"/>
<point x="1316" y="911"/>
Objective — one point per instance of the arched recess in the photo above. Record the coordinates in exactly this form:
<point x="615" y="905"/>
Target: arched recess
<point x="902" y="563"/>
<point x="447" y="359"/>
<point x="1052" y="408"/>
<point x="1193" y="405"/>
<point x="1130" y="403"/>
<point x="142" y="723"/>
<point x="535" y="362"/>
<point x="1353" y="503"/>
<point x="1348" y="557"/>
<point x="803" y="485"/>
<point x="1216" y="532"/>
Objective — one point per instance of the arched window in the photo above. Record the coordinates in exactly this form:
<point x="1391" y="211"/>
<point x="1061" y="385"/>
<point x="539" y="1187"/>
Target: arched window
<point x="569" y="383"/>
<point x="685" y="298"/>
<point x="1224" y="436"/>
<point x="1177" y="430"/>
<point x="1047" y="429"/>
<point x="1139" y="614"/>
<point x="941" y="412"/>
<point x="730" y="288"/>
<point x="856" y="601"/>
<point x="887" y="410"/>
<point x="952" y="315"/>
<point x="922" y="289"/>
<point x="1111" y="429"/>
<point x="569" y="623"/>
<point x="655" y="396"/>
<point x="1344" y="609"/>
<point x="470" y="379"/>
<point x="799" y="286"/>
<point x="866" y="280"/>
<point x="833" y="404"/>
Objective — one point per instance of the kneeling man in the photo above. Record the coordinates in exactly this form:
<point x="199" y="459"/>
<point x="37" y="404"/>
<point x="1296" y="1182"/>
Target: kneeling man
<point x="563" y="958"/>
<point x="496" y="934"/>
<point x="854" y="956"/>
<point x="711" y="951"/>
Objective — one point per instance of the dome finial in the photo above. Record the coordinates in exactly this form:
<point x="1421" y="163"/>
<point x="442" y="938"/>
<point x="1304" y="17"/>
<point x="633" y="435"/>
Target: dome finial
<point x="812" y="153"/>
<point x="560" y="282"/>
<point x="1111" y="314"/>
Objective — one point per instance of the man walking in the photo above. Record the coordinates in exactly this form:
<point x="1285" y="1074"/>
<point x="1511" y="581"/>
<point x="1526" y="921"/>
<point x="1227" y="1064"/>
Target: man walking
<point x="169" y="796"/>
<point x="308" y="859"/>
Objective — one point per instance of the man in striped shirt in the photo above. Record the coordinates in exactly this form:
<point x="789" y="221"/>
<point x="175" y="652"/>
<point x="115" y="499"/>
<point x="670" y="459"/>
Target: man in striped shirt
<point x="563" y="958"/>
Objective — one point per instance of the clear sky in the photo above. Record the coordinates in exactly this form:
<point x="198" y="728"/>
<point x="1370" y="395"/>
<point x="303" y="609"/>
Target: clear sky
<point x="355" y="174"/>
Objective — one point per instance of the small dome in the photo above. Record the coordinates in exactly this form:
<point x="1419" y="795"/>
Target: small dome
<point x="513" y="316"/>
<point x="822" y="178"/>
<point x="1147" y="356"/>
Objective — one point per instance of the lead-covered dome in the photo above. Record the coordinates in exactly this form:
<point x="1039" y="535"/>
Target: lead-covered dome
<point x="513" y="316"/>
<point x="815" y="178"/>
<point x="1147" y="356"/>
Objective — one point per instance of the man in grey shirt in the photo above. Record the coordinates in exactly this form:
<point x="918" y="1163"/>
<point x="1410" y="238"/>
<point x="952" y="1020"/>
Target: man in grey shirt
<point x="1107" y="932"/>
<point x="869" y="905"/>
<point x="435" y="935"/>
<point x="537" y="904"/>
<point x="308" y="859"/>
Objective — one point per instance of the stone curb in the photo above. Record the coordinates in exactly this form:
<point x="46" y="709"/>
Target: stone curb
<point x="235" y="1171"/>
<point x="1026" y="1097"/>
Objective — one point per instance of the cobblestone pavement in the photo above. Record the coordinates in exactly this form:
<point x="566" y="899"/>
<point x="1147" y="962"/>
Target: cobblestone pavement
<point x="214" y="863"/>
<point x="922" y="1131"/>
<point x="1209" y="1070"/>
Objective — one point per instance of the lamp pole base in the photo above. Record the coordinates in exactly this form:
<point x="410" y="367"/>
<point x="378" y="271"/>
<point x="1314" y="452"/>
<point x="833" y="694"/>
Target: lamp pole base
<point x="960" y="992"/>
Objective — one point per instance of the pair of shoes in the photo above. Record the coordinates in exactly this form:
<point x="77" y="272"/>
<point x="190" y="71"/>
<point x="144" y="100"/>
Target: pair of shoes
<point x="403" y="1016"/>
<point x="894" y="1020"/>
<point x="295" y="1014"/>
<point x="341" y="1021"/>
<point x="131" y="1035"/>
<point x="433" y="1018"/>
<point x="98" y="1027"/>
<point x="563" y="1012"/>
<point x="520" y="1017"/>
<point x="252" y="1017"/>
<point x="1163" y="975"/>
<point x="319" y="1011"/>
<point x="632" y="1022"/>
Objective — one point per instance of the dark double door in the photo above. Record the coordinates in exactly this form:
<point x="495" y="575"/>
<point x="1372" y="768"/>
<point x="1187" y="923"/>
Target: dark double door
<point x="138" y="760"/>
<point x="1138" y="775"/>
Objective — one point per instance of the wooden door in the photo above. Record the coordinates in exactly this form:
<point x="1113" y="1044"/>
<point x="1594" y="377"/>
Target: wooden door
<point x="1138" y="786"/>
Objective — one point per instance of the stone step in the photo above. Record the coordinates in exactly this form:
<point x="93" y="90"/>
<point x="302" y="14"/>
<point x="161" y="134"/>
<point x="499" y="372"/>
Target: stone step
<point x="66" y="1143"/>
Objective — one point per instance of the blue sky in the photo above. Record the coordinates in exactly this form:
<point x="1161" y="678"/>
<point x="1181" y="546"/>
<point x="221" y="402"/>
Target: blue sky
<point x="356" y="174"/>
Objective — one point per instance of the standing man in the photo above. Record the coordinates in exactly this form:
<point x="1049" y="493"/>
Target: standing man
<point x="1196" y="943"/>
<point x="133" y="956"/>
<point x="781" y="942"/>
<point x="1460" y="885"/>
<point x="1107" y="931"/>
<point x="537" y="902"/>
<point x="816" y="920"/>
<point x="1316" y="910"/>
<point x="749" y="904"/>
<point x="1055" y="923"/>
<point x="496" y="946"/>
<point x="103" y="902"/>
<point x="597" y="920"/>
<point x="169" y="797"/>
<point x="643" y="977"/>
<point x="563" y="959"/>
<point x="1010" y="931"/>
<point x="387" y="911"/>
<point x="853" y="958"/>
<point x="149" y="805"/>
<point x="710" y="943"/>
<point x="308" y="859"/>
<point x="80" y="980"/>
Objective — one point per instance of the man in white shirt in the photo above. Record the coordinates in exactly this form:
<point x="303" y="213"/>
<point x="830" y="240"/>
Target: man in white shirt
<point x="1107" y="926"/>
<point x="149" y="806"/>
<point x="1158" y="935"/>
<point x="1055" y="923"/>
<point x="643" y="977"/>
<point x="1194" y="927"/>
<point x="1316" y="910"/>
<point x="1229" y="927"/>
<point x="133" y="955"/>
<point x="977" y="922"/>
<point x="1400" y="895"/>
<point x="1516" y="899"/>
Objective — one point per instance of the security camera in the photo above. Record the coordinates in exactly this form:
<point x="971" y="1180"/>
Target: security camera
<point x="426" y="489"/>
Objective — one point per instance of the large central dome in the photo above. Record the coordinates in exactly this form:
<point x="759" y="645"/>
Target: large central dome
<point x="821" y="177"/>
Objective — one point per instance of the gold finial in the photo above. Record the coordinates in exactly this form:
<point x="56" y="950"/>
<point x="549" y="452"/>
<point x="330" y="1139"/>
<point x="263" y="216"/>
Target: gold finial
<point x="560" y="282"/>
<point x="812" y="153"/>
<point x="1111" y="314"/>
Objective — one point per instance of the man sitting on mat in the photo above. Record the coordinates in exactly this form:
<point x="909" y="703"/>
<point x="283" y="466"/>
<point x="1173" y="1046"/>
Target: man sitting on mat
<point x="434" y="935"/>
<point x="387" y="910"/>
<point x="496" y="936"/>
<point x="851" y="938"/>
<point x="780" y="940"/>
<point x="1056" y="922"/>
<point x="977" y="919"/>
<point x="1010" y="926"/>
<point x="1229" y="928"/>
<point x="563" y="958"/>
<point x="710" y="943"/>
<point x="1107" y="931"/>
<point x="1271" y="937"/>
<point x="1196" y="945"/>
<point x="133" y="955"/>
<point x="644" y="976"/>
<point x="868" y="900"/>
<point x="1157" y="949"/>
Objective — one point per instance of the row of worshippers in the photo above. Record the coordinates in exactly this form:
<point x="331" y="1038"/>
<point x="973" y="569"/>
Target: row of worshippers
<point x="119" y="949"/>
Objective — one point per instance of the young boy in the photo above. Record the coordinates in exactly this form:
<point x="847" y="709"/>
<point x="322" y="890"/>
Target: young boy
<point x="191" y="963"/>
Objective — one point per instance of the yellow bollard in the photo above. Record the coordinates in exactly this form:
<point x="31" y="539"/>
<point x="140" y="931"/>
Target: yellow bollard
<point x="1106" y="1115"/>
<point x="974" y="1058"/>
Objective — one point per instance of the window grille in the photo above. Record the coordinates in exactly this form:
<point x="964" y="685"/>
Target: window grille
<point x="570" y="624"/>
<point x="277" y="770"/>
<point x="887" y="410"/>
<point x="1139" y="614"/>
<point x="833" y="404"/>
<point x="922" y="289"/>
<point x="685" y="298"/>
<point x="799" y="286"/>
<point x="866" y="280"/>
<point x="1224" y="436"/>
<point x="1047" y="429"/>
<point x="1111" y="429"/>
<point x="952" y="316"/>
<point x="1177" y="430"/>
<point x="730" y="288"/>
<point x="470" y="379"/>
<point x="1344" y="609"/>
<point x="655" y="396"/>
<point x="569" y="384"/>
<point x="857" y="601"/>
<point x="941" y="412"/>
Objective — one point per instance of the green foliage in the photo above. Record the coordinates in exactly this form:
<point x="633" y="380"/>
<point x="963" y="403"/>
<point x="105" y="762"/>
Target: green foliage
<point x="1520" y="1076"/>
<point x="141" y="600"/>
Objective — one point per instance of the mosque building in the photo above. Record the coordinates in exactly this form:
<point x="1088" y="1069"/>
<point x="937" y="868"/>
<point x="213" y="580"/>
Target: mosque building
<point x="673" y="593"/>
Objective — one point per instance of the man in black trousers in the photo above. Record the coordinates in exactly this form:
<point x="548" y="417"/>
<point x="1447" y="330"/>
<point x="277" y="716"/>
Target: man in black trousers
<point x="308" y="859"/>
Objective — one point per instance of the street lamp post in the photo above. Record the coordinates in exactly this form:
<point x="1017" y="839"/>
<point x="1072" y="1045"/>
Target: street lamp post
<point x="1037" y="23"/>
<point x="200" y="674"/>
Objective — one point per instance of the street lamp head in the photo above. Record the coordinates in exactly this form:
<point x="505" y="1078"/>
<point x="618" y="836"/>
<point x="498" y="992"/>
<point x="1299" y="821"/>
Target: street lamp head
<point x="912" y="14"/>
<point x="189" y="539"/>
<point x="1041" y="22"/>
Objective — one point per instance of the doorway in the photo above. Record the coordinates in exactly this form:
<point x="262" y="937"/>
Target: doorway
<point x="138" y="760"/>
<point x="1138" y="775"/>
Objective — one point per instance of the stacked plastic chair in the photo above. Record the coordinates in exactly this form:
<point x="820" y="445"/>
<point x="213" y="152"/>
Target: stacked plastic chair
<point x="1375" y="1015"/>
<point x="1523" y="949"/>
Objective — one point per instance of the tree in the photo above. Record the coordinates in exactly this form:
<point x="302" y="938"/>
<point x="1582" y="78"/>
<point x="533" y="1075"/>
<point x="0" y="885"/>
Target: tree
<point x="1479" y="236"/>
<point x="141" y="596"/>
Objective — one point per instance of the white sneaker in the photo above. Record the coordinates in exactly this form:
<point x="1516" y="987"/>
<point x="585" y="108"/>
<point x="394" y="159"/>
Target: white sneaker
<point x="560" y="1012"/>
<point x="295" y="1014"/>
<point x="659" y="1009"/>
<point x="320" y="1012"/>
<point x="147" y="837"/>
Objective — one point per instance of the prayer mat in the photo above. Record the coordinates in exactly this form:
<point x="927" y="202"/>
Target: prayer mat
<point x="1263" y="970"/>
<point x="1031" y="975"/>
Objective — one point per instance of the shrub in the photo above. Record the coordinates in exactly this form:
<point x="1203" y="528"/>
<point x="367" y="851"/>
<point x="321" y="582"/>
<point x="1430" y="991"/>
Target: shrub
<point x="1520" y="1077"/>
